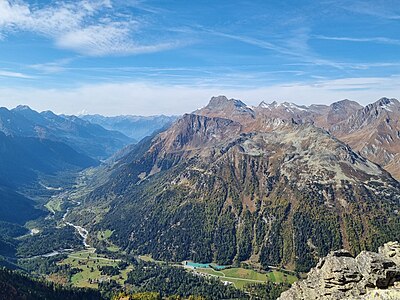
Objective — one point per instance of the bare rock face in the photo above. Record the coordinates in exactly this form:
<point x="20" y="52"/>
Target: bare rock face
<point x="377" y="270"/>
<point x="339" y="275"/>
<point x="391" y="250"/>
<point x="390" y="294"/>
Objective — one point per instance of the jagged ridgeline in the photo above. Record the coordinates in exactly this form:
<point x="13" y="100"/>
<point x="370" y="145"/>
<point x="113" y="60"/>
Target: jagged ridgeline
<point x="228" y="184"/>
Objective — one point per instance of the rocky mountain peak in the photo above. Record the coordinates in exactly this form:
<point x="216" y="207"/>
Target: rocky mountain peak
<point x="49" y="114"/>
<point x="197" y="131"/>
<point x="336" y="113"/>
<point x="387" y="104"/>
<point x="346" y="103"/>
<point x="28" y="113"/>
<point x="22" y="108"/>
<point x="226" y="108"/>
<point x="374" y="132"/>
<point x="381" y="106"/>
<point x="264" y="104"/>
<point x="223" y="102"/>
<point x="290" y="106"/>
<point x="287" y="106"/>
<point x="386" y="101"/>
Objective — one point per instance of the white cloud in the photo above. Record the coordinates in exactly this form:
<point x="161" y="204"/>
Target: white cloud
<point x="100" y="40"/>
<point x="86" y="27"/>
<point x="4" y="73"/>
<point x="295" y="45"/>
<point x="151" y="98"/>
<point x="381" y="40"/>
<point x="52" y="67"/>
<point x="385" y="9"/>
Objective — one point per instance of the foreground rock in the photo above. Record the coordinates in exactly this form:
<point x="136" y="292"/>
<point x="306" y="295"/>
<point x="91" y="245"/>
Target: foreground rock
<point x="339" y="275"/>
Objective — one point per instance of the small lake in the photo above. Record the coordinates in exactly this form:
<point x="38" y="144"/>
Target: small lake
<point x="204" y="266"/>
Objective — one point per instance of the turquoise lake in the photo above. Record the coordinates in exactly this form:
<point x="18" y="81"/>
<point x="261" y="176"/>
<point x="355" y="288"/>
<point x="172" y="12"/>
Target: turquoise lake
<point x="198" y="265"/>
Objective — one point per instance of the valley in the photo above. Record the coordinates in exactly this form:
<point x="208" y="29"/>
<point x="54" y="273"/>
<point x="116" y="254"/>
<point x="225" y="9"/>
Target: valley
<point x="89" y="264"/>
<point x="229" y="200"/>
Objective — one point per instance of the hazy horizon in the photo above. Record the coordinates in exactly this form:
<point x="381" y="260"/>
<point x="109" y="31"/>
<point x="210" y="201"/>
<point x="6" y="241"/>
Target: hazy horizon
<point x="82" y="113"/>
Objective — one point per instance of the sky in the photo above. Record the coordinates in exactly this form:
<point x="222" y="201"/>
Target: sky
<point x="147" y="57"/>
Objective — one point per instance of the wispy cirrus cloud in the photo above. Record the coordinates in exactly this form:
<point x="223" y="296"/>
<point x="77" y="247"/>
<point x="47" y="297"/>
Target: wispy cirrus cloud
<point x="5" y="73"/>
<point x="90" y="27"/>
<point x="52" y="67"/>
<point x="295" y="46"/>
<point x="380" y="40"/>
<point x="384" y="9"/>
<point x="108" y="39"/>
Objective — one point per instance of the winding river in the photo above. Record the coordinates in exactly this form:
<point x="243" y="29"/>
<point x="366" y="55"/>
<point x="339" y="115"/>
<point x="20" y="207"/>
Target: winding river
<point x="82" y="231"/>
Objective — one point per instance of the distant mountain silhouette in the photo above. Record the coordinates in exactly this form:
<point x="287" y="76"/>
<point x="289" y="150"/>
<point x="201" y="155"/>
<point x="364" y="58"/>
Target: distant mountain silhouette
<point x="83" y="136"/>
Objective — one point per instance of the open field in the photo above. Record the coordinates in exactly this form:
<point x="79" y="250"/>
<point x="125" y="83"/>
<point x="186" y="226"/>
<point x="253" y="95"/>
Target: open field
<point x="146" y="258"/>
<point x="240" y="276"/>
<point x="278" y="276"/>
<point x="54" y="205"/>
<point x="89" y="263"/>
<point x="104" y="235"/>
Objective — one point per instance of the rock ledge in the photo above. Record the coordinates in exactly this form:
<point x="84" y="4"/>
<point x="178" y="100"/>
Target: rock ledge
<point x="339" y="275"/>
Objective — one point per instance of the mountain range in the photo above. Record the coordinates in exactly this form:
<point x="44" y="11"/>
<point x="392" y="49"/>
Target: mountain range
<point x="273" y="185"/>
<point x="40" y="155"/>
<point x="24" y="159"/>
<point x="270" y="185"/>
<point x="84" y="137"/>
<point x="136" y="127"/>
<point x="374" y="130"/>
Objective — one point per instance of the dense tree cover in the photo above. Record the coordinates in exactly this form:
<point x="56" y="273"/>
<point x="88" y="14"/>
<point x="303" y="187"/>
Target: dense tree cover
<point x="153" y="296"/>
<point x="22" y="159"/>
<point x="7" y="263"/>
<point x="109" y="289"/>
<point x="109" y="270"/>
<point x="138" y="296"/>
<point x="43" y="265"/>
<point x="269" y="290"/>
<point x="48" y="240"/>
<point x="169" y="281"/>
<point x="12" y="230"/>
<point x="8" y="233"/>
<point x="245" y="237"/>
<point x="183" y="214"/>
<point x="16" y="286"/>
<point x="15" y="209"/>
<point x="7" y="247"/>
<point x="319" y="234"/>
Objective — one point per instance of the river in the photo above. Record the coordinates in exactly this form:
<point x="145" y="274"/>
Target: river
<point x="82" y="231"/>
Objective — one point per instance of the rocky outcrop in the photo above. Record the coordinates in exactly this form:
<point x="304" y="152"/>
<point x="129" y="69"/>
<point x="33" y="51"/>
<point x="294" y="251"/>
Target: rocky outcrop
<point x="339" y="275"/>
<point x="391" y="250"/>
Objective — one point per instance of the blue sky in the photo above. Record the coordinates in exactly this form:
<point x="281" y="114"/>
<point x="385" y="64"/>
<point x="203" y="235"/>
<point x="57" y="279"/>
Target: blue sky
<point x="153" y="57"/>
